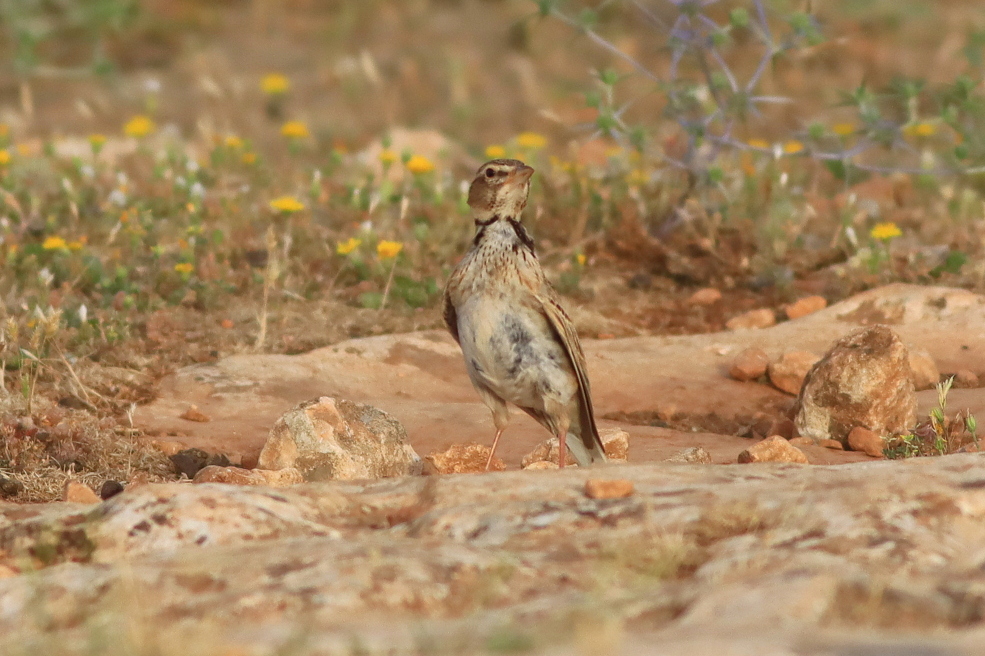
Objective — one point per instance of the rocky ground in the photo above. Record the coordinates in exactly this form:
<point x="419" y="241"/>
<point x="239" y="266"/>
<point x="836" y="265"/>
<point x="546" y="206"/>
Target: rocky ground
<point x="849" y="554"/>
<point x="669" y="392"/>
<point x="868" y="558"/>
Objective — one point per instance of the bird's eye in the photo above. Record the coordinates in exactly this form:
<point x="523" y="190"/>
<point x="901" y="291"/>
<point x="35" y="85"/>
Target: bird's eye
<point x="490" y="173"/>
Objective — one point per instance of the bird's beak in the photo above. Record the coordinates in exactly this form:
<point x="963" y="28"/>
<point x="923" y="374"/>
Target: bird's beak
<point x="522" y="174"/>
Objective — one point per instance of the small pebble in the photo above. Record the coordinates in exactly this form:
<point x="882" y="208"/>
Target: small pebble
<point x="706" y="296"/>
<point x="788" y="372"/>
<point x="110" y="489"/>
<point x="772" y="449"/>
<point x="805" y="306"/>
<point x="464" y="459"/>
<point x="867" y="441"/>
<point x="597" y="488"/>
<point x="76" y="492"/>
<point x="749" y="364"/>
<point x="762" y="318"/>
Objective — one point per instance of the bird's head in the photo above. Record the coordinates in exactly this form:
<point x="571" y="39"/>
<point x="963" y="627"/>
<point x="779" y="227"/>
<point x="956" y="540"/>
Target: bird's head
<point x="500" y="190"/>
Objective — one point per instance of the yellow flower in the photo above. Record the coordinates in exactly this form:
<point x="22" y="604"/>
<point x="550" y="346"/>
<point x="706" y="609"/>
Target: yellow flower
<point x="184" y="267"/>
<point x="23" y="149"/>
<point x="138" y="126"/>
<point x="286" y="204"/>
<point x="567" y="167"/>
<point x="580" y="259"/>
<point x="531" y="140"/>
<point x="792" y="147"/>
<point x="843" y="129"/>
<point x="249" y="158"/>
<point x="294" y="130"/>
<point x="387" y="249"/>
<point x="346" y="247"/>
<point x="54" y="244"/>
<point x="495" y="152"/>
<point x="232" y="141"/>
<point x="4" y="157"/>
<point x="388" y="157"/>
<point x="275" y="84"/>
<point x="97" y="141"/>
<point x="419" y="164"/>
<point x="921" y="129"/>
<point x="78" y="244"/>
<point x="758" y="143"/>
<point x="885" y="231"/>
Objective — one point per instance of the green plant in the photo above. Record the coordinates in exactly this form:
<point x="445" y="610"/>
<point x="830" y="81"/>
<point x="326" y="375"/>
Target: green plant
<point x="938" y="435"/>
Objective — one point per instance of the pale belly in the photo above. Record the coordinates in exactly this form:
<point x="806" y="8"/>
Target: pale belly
<point x="512" y="351"/>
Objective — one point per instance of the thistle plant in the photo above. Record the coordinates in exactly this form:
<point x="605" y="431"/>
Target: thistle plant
<point x="909" y="126"/>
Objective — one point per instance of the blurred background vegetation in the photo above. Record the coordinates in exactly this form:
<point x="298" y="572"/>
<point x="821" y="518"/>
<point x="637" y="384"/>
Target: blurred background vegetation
<point x="181" y="179"/>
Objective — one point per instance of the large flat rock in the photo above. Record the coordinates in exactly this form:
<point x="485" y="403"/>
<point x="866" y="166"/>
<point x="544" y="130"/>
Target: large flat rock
<point x="421" y="380"/>
<point x="875" y="558"/>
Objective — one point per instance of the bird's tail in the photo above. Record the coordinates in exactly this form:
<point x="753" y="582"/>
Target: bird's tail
<point x="587" y="447"/>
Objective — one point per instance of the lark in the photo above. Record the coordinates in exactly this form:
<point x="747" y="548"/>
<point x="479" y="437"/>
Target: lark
<point x="520" y="347"/>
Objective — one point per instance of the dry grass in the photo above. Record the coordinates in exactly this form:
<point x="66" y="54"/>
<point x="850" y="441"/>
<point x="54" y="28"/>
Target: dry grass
<point x="51" y="446"/>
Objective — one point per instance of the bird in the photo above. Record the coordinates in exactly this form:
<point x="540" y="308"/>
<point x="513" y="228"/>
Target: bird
<point x="519" y="345"/>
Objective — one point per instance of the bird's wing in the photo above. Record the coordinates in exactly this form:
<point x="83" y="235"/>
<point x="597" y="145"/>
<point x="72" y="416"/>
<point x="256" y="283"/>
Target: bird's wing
<point x="450" y="314"/>
<point x="565" y="331"/>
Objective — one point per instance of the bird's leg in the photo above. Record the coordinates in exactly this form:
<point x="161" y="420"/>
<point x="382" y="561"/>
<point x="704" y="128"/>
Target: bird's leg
<point x="563" y="424"/>
<point x="492" y="452"/>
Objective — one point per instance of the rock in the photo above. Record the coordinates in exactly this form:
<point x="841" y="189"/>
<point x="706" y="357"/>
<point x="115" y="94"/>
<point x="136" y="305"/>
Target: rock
<point x="706" y="296"/>
<point x="10" y="487"/>
<point x="965" y="379"/>
<point x="331" y="438"/>
<point x="238" y="476"/>
<point x="464" y="459"/>
<point x="110" y="489"/>
<point x="762" y="318"/>
<point x="788" y="372"/>
<point x="194" y="414"/>
<point x="168" y="447"/>
<point x="831" y="444"/>
<point x="800" y="441"/>
<point x="879" y="557"/>
<point x="772" y="449"/>
<point x="615" y="441"/>
<point x="869" y="442"/>
<point x="749" y="364"/>
<point x="598" y="488"/>
<point x="692" y="455"/>
<point x="540" y="465"/>
<point x="76" y="492"/>
<point x="864" y="380"/>
<point x="804" y="306"/>
<point x="925" y="372"/>
<point x="188" y="462"/>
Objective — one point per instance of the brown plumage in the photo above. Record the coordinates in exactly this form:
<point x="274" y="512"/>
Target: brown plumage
<point x="519" y="345"/>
